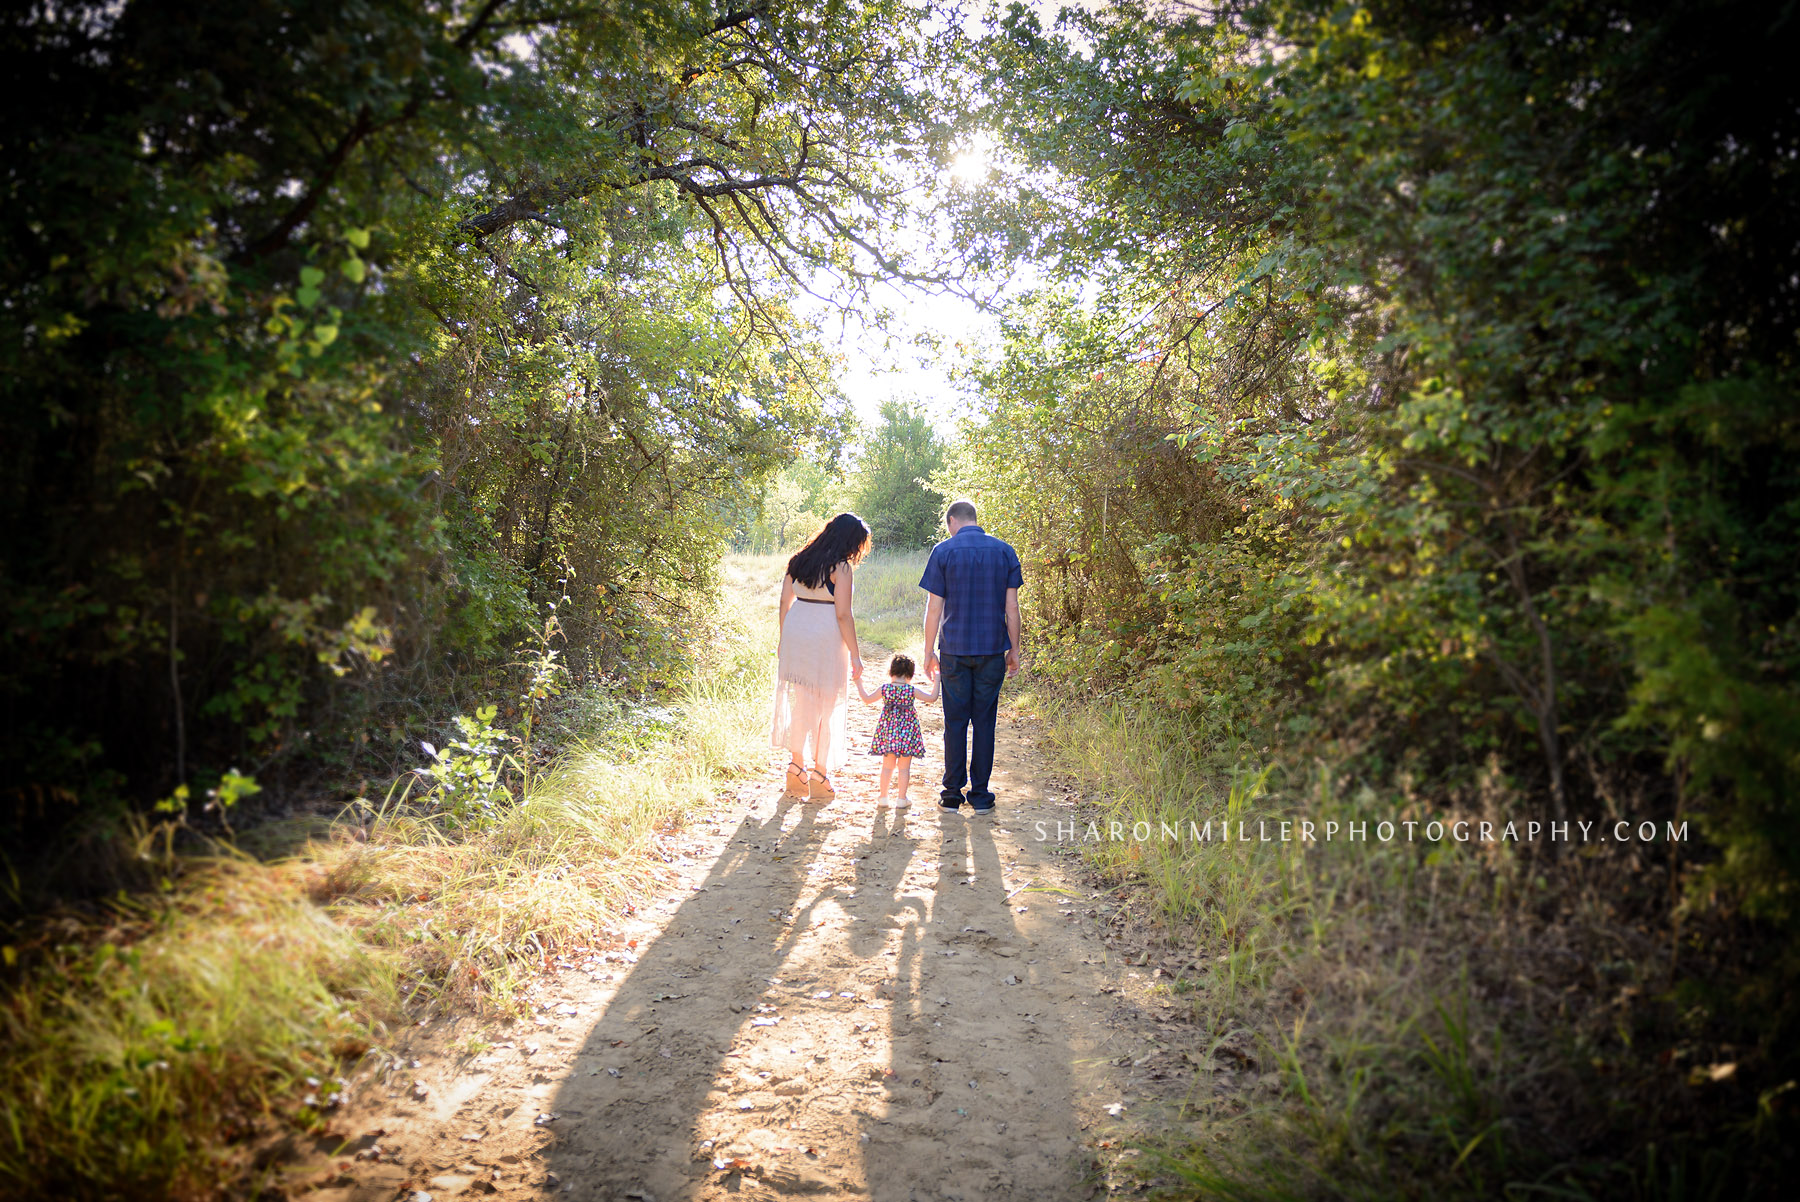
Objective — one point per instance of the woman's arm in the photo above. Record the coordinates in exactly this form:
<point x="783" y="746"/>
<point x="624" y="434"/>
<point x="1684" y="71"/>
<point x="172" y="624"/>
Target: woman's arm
<point x="787" y="600"/>
<point x="931" y="694"/>
<point x="841" y="578"/>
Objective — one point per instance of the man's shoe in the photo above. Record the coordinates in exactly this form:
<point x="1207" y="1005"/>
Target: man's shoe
<point x="949" y="807"/>
<point x="982" y="810"/>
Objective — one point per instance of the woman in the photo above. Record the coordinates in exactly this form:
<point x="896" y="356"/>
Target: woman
<point x="818" y="651"/>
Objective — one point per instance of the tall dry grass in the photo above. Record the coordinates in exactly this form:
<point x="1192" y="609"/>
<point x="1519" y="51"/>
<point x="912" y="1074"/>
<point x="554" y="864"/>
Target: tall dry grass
<point x="139" y="1055"/>
<point x="478" y="914"/>
<point x="1409" y="1021"/>
<point x="144" y="1053"/>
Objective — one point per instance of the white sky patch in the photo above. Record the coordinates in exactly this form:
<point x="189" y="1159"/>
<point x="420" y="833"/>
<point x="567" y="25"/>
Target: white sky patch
<point x="913" y="359"/>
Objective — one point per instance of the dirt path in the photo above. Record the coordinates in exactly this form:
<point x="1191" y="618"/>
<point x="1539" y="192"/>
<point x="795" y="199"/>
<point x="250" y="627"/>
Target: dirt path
<point x="834" y="1000"/>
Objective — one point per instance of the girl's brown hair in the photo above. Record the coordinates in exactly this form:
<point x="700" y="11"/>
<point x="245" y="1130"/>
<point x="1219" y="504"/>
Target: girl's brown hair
<point x="900" y="665"/>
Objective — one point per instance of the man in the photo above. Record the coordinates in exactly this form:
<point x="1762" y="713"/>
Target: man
<point x="971" y="647"/>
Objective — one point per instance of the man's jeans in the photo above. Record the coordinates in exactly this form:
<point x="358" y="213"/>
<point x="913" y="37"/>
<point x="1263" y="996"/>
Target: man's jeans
<point x="971" y="686"/>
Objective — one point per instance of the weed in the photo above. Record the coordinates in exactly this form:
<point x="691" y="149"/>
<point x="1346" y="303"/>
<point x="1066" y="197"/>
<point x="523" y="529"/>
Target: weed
<point x="137" y="1054"/>
<point x="142" y="1052"/>
<point x="1423" y="1022"/>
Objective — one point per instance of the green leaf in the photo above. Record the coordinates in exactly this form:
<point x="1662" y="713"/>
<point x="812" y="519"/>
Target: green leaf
<point x="355" y="269"/>
<point x="357" y="238"/>
<point x="312" y="277"/>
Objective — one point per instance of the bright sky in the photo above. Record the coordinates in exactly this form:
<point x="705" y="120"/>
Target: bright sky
<point x="912" y="359"/>
<point x="882" y="366"/>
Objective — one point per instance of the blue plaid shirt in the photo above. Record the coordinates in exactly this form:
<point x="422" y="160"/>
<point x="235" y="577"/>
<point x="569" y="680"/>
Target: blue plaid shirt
<point x="971" y="570"/>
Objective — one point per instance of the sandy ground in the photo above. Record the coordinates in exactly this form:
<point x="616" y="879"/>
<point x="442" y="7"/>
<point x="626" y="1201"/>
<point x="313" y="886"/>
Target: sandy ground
<point x="831" y="1000"/>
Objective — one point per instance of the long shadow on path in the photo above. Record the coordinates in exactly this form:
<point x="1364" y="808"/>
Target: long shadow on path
<point x="844" y="1007"/>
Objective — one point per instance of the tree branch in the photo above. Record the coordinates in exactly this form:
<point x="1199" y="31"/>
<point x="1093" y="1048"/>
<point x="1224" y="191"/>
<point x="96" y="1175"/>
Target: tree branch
<point x="276" y="238"/>
<point x="468" y="36"/>
<point x="531" y="203"/>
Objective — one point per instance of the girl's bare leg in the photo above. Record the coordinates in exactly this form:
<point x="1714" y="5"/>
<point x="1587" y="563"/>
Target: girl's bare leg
<point x="905" y="778"/>
<point x="887" y="770"/>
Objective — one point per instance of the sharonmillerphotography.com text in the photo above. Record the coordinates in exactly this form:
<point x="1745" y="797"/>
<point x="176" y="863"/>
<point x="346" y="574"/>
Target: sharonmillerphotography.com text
<point x="1305" y="830"/>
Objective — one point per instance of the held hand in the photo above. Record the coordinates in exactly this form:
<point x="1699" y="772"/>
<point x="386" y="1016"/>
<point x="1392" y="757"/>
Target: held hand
<point x="1013" y="662"/>
<point x="931" y="666"/>
<point x="856" y="669"/>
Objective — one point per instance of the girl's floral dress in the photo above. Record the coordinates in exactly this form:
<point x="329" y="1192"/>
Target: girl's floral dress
<point x="897" y="733"/>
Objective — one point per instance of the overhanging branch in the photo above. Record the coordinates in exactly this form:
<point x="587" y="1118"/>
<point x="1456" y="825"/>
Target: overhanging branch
<point x="532" y="203"/>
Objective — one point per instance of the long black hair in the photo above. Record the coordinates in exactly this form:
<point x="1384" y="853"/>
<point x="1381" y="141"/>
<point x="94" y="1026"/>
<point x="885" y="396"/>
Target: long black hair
<point x="844" y="539"/>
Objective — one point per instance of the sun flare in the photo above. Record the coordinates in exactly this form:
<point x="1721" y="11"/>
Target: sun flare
<point x="974" y="162"/>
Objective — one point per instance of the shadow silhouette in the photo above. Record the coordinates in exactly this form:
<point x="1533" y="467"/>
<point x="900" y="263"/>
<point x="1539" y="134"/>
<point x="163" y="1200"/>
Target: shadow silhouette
<point x="650" y="1064"/>
<point x="845" y="1007"/>
<point x="981" y="1083"/>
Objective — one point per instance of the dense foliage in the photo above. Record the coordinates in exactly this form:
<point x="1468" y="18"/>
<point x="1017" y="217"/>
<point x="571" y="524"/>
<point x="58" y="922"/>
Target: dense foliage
<point x="340" y="339"/>
<point x="898" y="457"/>
<point x="1412" y="388"/>
<point x="1439" y="405"/>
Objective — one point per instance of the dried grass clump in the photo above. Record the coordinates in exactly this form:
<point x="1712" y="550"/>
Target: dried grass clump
<point x="1434" y="1020"/>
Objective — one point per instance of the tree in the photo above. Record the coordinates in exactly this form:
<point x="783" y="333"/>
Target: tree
<point x="901" y="454"/>
<point x="341" y="335"/>
<point x="1483" y="318"/>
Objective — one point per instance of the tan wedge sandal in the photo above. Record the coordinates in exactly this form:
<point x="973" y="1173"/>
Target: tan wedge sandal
<point x="796" y="783"/>
<point x="821" y="789"/>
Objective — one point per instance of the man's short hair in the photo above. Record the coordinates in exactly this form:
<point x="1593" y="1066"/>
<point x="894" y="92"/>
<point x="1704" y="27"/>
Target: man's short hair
<point x="962" y="511"/>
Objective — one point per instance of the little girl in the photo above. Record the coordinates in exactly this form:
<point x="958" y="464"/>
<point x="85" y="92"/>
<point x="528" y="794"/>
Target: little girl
<point x="897" y="734"/>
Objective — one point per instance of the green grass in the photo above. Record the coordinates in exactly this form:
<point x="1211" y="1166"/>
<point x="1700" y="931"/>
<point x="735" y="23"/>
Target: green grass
<point x="890" y="605"/>
<point x="1348" y="968"/>
<point x="136" y="1055"/>
<point x="145" y="1052"/>
<point x="478" y="914"/>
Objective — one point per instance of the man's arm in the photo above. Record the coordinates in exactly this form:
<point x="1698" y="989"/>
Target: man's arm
<point x="1015" y="655"/>
<point x="934" y="617"/>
